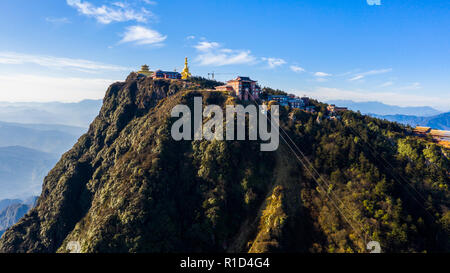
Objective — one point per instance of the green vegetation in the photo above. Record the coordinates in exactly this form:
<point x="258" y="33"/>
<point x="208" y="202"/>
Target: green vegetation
<point x="127" y="186"/>
<point x="269" y="91"/>
<point x="204" y="83"/>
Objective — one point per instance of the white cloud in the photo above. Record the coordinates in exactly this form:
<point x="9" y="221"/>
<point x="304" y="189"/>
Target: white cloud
<point x="297" y="69"/>
<point x="360" y="76"/>
<point x="57" y="62"/>
<point x="212" y="53"/>
<point x="412" y="86"/>
<point x="25" y="88"/>
<point x="221" y="59"/>
<point x="321" y="74"/>
<point x="57" y="21"/>
<point x="119" y="4"/>
<point x="357" y="77"/>
<point x="320" y="79"/>
<point x="386" y="84"/>
<point x="274" y="62"/>
<point x="149" y="2"/>
<point x="117" y="12"/>
<point x="190" y="37"/>
<point x="374" y="2"/>
<point x="142" y="36"/>
<point x="206" y="46"/>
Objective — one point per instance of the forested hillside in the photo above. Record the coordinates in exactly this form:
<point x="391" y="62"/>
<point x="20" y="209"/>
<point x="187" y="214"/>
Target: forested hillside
<point x="332" y="186"/>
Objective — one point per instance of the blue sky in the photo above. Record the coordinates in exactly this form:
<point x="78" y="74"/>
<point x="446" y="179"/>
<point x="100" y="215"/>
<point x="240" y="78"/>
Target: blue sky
<point x="397" y="52"/>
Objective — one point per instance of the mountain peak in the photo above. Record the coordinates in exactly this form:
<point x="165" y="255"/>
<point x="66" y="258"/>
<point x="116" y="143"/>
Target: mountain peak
<point x="128" y="186"/>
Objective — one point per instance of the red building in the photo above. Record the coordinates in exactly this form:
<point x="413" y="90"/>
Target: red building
<point x="159" y="74"/>
<point x="242" y="87"/>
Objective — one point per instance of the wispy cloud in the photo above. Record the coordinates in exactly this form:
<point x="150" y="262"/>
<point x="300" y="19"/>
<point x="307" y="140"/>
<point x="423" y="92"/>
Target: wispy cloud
<point x="357" y="77"/>
<point x="274" y="62"/>
<point x="213" y="54"/>
<point x="412" y="86"/>
<point x="321" y="74"/>
<point x="361" y="76"/>
<point x="116" y="12"/>
<point x="142" y="36"/>
<point x="44" y="88"/>
<point x="57" y="21"/>
<point x="386" y="84"/>
<point x="297" y="69"/>
<point x="225" y="58"/>
<point x="149" y="2"/>
<point x="57" y="62"/>
<point x="374" y="2"/>
<point x="205" y="46"/>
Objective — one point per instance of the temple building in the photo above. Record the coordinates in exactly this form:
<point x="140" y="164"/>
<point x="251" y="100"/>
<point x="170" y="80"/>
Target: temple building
<point x="291" y="101"/>
<point x="242" y="87"/>
<point x="333" y="108"/>
<point x="185" y="74"/>
<point x="145" y="71"/>
<point x="159" y="74"/>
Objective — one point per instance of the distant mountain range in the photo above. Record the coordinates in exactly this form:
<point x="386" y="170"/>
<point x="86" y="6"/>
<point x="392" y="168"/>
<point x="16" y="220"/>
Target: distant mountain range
<point x="54" y="139"/>
<point x="8" y="202"/>
<point x="22" y="171"/>
<point x="79" y="114"/>
<point x="32" y="138"/>
<point x="413" y="116"/>
<point x="378" y="108"/>
<point x="11" y="210"/>
<point x="440" y="122"/>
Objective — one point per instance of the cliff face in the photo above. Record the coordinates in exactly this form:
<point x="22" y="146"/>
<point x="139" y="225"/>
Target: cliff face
<point x="127" y="186"/>
<point x="71" y="189"/>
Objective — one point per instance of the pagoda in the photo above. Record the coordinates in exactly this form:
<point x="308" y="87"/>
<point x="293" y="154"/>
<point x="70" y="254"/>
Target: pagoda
<point x="185" y="74"/>
<point x="145" y="71"/>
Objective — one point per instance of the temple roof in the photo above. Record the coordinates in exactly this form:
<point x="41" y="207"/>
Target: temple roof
<point x="240" y="78"/>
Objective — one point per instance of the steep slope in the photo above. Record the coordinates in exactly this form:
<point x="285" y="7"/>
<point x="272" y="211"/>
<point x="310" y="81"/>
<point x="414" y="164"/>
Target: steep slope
<point x="127" y="186"/>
